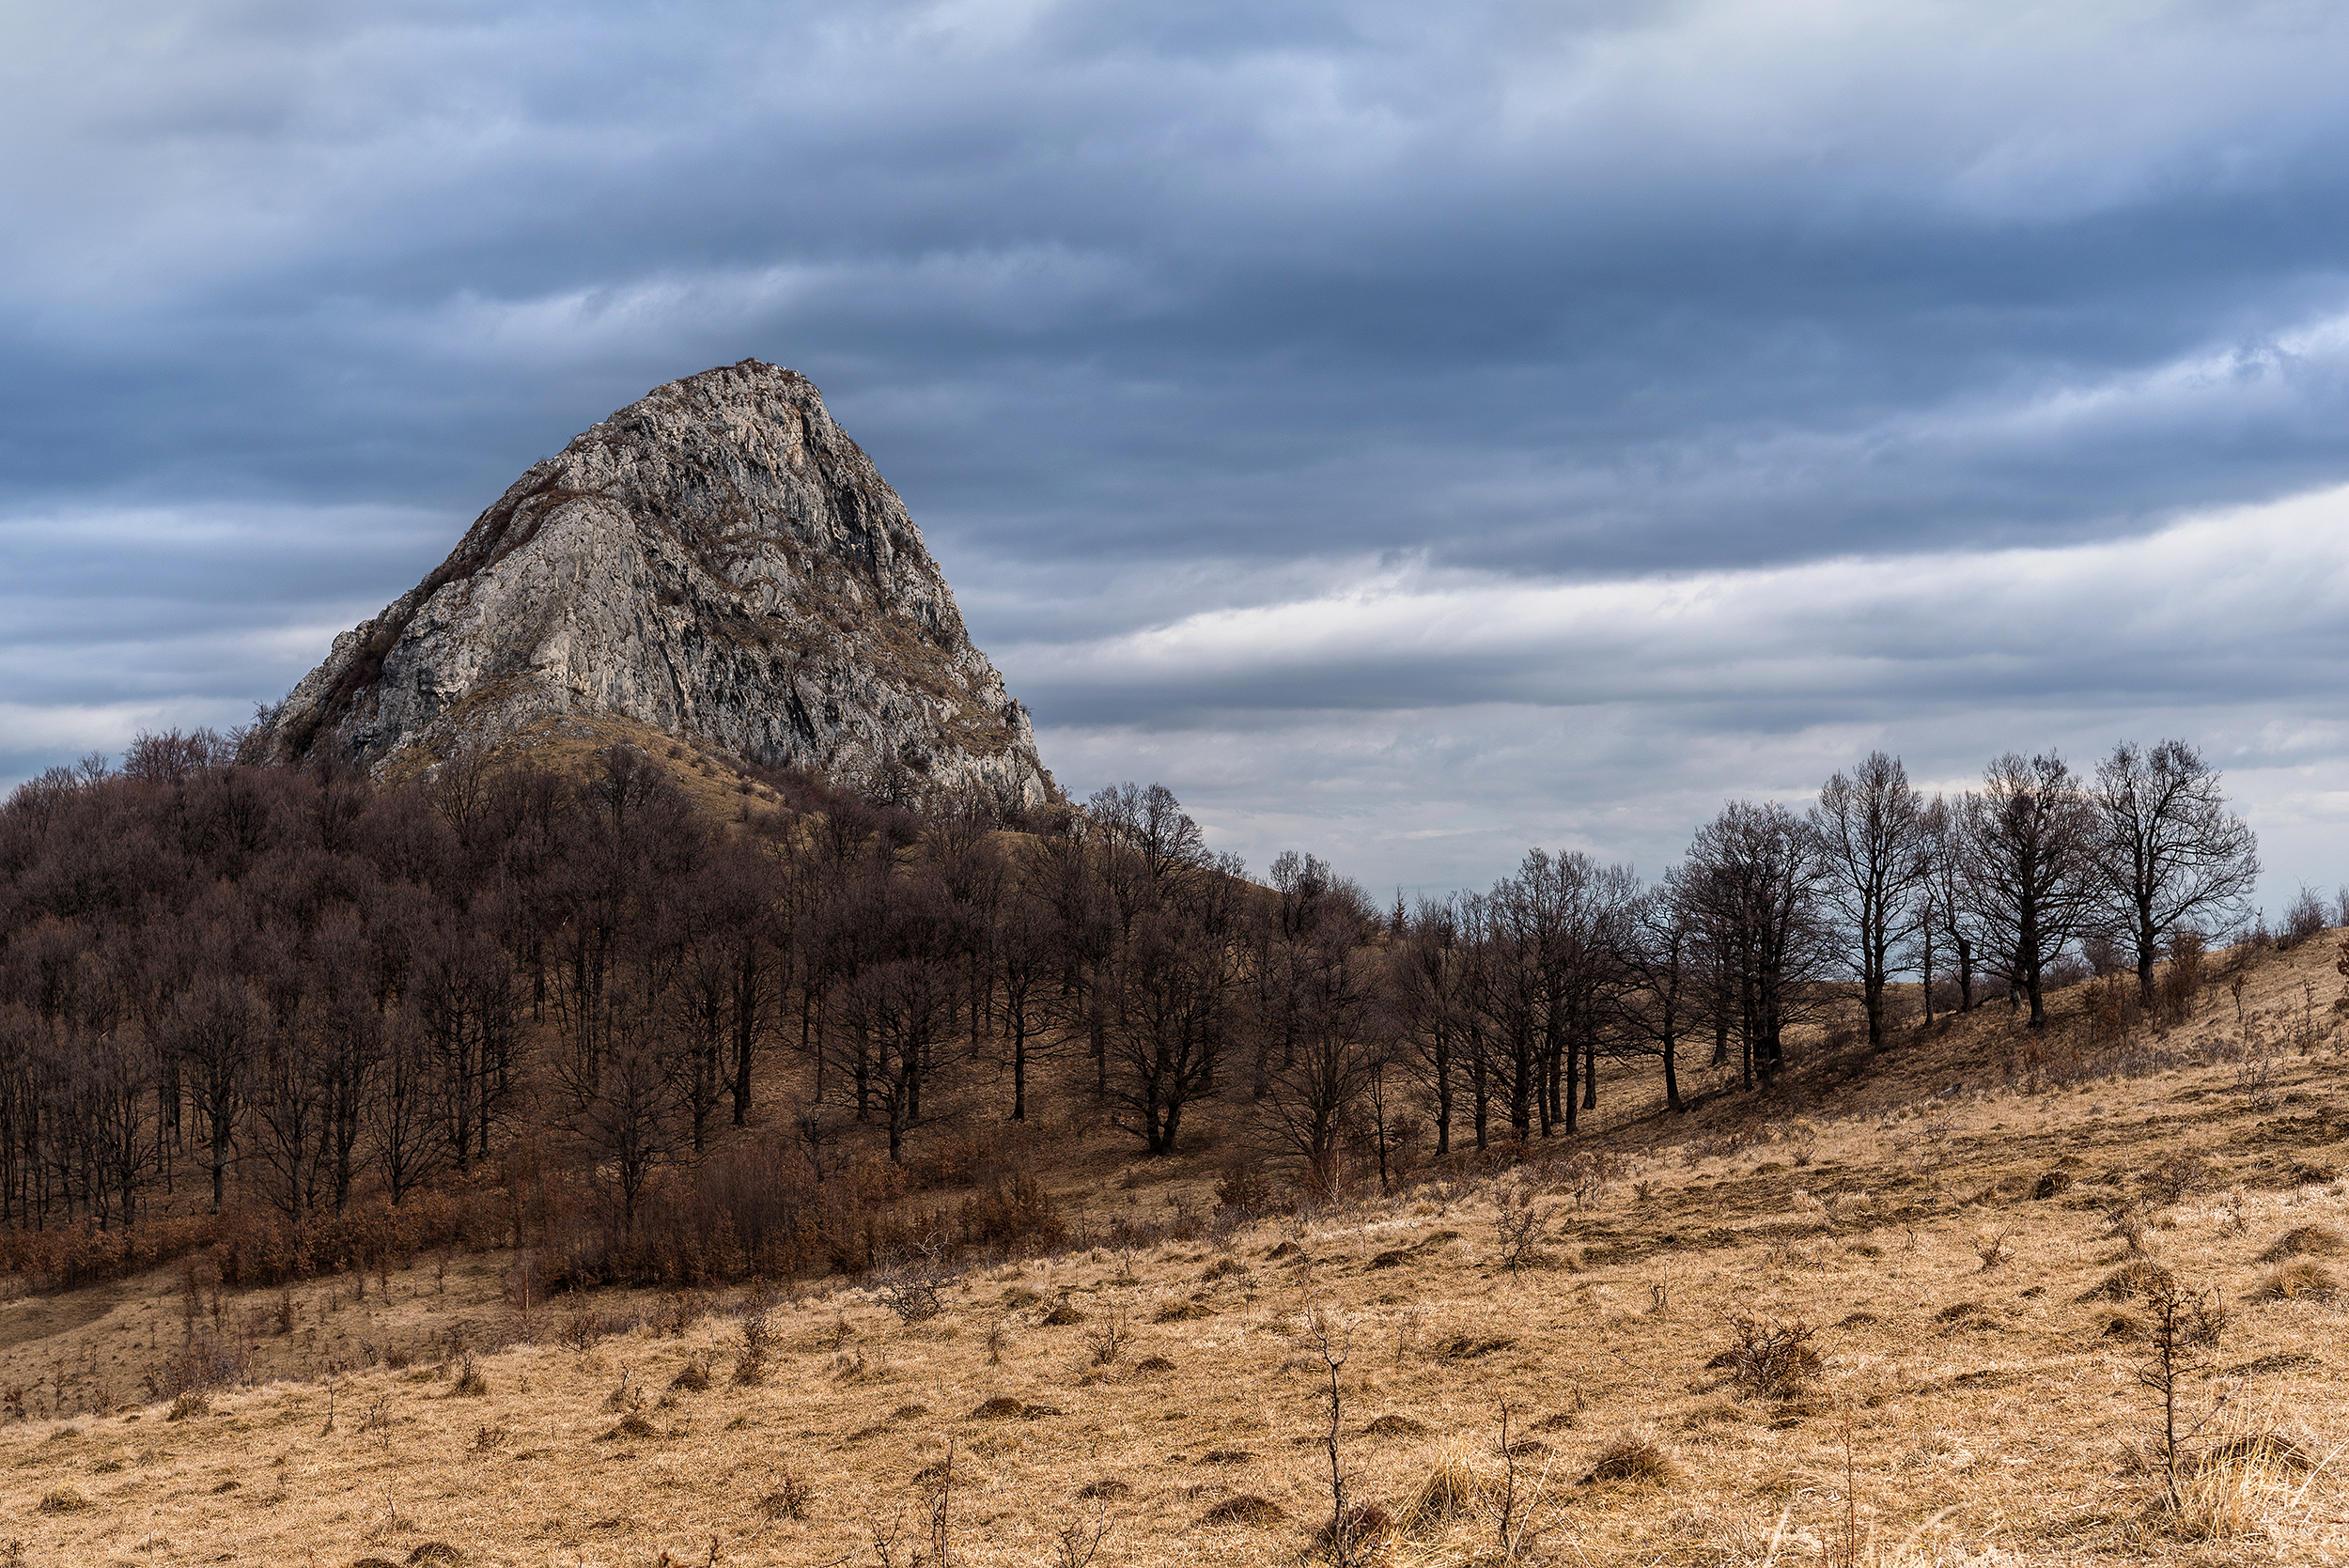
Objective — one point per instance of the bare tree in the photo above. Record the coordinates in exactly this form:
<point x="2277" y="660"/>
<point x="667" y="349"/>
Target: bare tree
<point x="1659" y="955"/>
<point x="1434" y="1015"/>
<point x="1751" y="881"/>
<point x="1867" y="829"/>
<point x="2170" y="854"/>
<point x="1170" y="1024"/>
<point x="1334" y="1059"/>
<point x="2031" y="877"/>
<point x="1149" y="821"/>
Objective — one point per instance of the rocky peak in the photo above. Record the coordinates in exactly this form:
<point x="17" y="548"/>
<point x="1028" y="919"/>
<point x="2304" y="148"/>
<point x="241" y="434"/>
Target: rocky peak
<point x="718" y="561"/>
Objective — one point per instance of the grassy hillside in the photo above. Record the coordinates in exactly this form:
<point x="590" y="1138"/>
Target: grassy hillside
<point x="1897" y="1313"/>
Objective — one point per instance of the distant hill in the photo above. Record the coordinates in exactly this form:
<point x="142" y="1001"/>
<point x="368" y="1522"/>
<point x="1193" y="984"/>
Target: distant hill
<point x="717" y="561"/>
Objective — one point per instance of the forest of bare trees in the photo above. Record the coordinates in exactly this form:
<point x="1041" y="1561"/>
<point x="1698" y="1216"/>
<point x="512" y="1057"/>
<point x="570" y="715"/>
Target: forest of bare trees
<point x="625" y="1033"/>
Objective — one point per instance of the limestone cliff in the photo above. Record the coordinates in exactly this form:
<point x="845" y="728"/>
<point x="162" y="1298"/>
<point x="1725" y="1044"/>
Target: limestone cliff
<point x="718" y="561"/>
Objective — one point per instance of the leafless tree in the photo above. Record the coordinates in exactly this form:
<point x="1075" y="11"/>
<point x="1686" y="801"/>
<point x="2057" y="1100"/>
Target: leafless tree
<point x="1170" y="1023"/>
<point x="1150" y="821"/>
<point x="1751" y="881"/>
<point x="1434" y="1015"/>
<point x="1659" y="954"/>
<point x="1335" y="1053"/>
<point x="1868" y="828"/>
<point x="2032" y="875"/>
<point x="2170" y="854"/>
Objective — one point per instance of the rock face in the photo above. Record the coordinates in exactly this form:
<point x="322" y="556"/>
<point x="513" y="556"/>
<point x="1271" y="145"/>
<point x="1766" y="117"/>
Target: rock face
<point x="717" y="561"/>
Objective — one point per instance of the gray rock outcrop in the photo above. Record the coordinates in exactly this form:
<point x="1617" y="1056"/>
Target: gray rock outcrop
<point x="717" y="561"/>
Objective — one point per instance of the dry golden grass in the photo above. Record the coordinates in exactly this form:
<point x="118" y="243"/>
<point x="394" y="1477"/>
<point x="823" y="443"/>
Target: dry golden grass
<point x="1992" y="1414"/>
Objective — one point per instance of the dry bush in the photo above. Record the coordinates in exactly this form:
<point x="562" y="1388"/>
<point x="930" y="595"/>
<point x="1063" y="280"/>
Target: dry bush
<point x="1633" y="1457"/>
<point x="1520" y="1224"/>
<point x="1587" y="1174"/>
<point x="750" y="1362"/>
<point x="470" y="1384"/>
<point x="1012" y="1215"/>
<point x="787" y="1497"/>
<point x="2298" y="1281"/>
<point x="1244" y="1189"/>
<point x="2128" y="1222"/>
<point x="1110" y="1341"/>
<point x="1992" y="1248"/>
<point x="1770" y="1355"/>
<point x="911" y="1293"/>
<point x="1078" y="1540"/>
<point x="2306" y="1241"/>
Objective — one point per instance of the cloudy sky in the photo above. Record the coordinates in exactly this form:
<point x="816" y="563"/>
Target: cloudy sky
<point x="1410" y="432"/>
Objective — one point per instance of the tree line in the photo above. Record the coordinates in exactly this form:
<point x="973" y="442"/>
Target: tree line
<point x="224" y="984"/>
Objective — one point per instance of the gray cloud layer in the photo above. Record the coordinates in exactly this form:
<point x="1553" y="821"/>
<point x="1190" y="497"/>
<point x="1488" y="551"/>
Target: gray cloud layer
<point x="1531" y="416"/>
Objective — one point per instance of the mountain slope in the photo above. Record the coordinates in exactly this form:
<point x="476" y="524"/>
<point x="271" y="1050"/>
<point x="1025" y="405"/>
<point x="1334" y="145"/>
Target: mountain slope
<point x="719" y="561"/>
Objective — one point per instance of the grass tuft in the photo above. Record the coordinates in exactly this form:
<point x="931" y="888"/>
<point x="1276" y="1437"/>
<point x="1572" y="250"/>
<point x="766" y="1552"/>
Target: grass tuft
<point x="2306" y="1241"/>
<point x="2298" y="1281"/>
<point x="2137" y="1278"/>
<point x="1634" y="1458"/>
<point x="1451" y="1490"/>
<point x="1246" y="1509"/>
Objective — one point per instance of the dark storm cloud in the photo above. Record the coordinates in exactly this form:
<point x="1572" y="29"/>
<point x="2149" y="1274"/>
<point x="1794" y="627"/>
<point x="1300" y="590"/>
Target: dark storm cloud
<point x="1160" y="314"/>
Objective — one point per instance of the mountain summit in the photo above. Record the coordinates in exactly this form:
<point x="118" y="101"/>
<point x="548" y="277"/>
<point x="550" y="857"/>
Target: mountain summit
<point x="717" y="561"/>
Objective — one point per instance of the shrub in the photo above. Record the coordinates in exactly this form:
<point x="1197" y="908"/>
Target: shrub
<point x="750" y="1362"/>
<point x="2307" y="917"/>
<point x="470" y="1384"/>
<point x="1770" y="1356"/>
<point x="1017" y="1215"/>
<point x="1244" y="1189"/>
<point x="789" y="1498"/>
